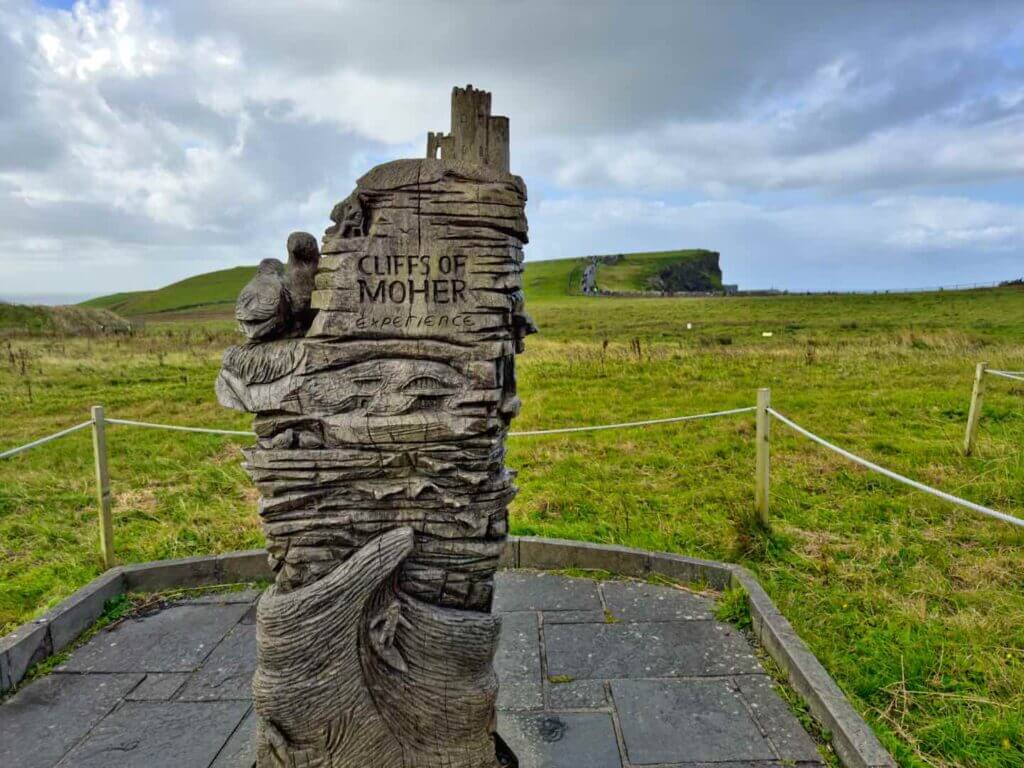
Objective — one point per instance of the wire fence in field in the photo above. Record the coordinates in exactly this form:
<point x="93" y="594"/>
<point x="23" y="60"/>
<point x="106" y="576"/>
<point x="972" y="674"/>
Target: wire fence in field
<point x="763" y="410"/>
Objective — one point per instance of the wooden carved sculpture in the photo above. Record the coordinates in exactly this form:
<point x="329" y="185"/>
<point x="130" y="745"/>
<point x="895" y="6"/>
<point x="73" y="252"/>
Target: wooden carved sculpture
<point x="382" y="401"/>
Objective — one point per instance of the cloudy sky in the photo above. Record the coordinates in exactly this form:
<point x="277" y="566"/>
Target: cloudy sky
<point x="816" y="145"/>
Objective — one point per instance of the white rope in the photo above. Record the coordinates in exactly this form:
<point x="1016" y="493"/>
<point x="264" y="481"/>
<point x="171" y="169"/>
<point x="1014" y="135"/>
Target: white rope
<point x="148" y="425"/>
<point x="562" y="430"/>
<point x="1016" y="376"/>
<point x="623" y="425"/>
<point x="896" y="476"/>
<point x="42" y="440"/>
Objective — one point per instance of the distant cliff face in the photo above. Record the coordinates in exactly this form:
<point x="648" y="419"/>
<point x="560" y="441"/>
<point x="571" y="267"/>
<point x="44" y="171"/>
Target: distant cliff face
<point x="701" y="272"/>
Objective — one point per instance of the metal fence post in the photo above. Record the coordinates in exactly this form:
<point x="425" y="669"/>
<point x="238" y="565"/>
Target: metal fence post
<point x="974" y="414"/>
<point x="763" y="438"/>
<point x="99" y="448"/>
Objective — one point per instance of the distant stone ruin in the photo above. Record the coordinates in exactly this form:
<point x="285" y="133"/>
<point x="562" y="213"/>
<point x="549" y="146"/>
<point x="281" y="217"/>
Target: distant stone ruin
<point x="588" y="285"/>
<point x="383" y="391"/>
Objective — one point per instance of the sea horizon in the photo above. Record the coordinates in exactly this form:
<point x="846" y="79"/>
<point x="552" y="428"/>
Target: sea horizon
<point x="45" y="299"/>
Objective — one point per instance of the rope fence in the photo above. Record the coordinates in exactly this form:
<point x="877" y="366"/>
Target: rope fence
<point x="43" y="440"/>
<point x="623" y="425"/>
<point x="763" y="410"/>
<point x="203" y="430"/>
<point x="1017" y="375"/>
<point x="896" y="475"/>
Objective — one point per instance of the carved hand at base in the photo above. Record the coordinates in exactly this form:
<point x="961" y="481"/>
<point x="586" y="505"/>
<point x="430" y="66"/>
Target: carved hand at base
<point x="308" y="691"/>
<point x="353" y="674"/>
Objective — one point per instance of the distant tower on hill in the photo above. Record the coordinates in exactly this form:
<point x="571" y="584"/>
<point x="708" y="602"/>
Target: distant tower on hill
<point x="476" y="136"/>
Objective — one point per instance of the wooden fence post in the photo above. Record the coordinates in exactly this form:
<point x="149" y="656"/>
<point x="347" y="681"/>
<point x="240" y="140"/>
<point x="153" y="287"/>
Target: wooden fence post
<point x="99" y="448"/>
<point x="974" y="414"/>
<point x="764" y="424"/>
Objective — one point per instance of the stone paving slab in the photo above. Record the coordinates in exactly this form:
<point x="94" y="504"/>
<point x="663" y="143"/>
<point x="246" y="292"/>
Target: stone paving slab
<point x="574" y="617"/>
<point x="605" y="675"/>
<point x="550" y="740"/>
<point x="638" y="601"/>
<point x="158" y="686"/>
<point x="518" y="662"/>
<point x="701" y="720"/>
<point x="158" y="734"/>
<point x="647" y="649"/>
<point x="575" y="694"/>
<point x="775" y="719"/>
<point x="176" y="639"/>
<point x="47" y="717"/>
<point x="537" y="591"/>
<point x="227" y="672"/>
<point x="240" y="751"/>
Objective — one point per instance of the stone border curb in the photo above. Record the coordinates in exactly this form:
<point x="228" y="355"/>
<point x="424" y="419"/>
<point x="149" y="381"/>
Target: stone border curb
<point x="40" y="638"/>
<point x="852" y="738"/>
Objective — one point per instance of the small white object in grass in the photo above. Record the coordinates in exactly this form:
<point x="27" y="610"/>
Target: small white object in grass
<point x="766" y="334"/>
<point x="689" y="326"/>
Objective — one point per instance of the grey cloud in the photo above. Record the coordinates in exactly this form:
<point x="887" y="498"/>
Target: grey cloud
<point x="26" y="141"/>
<point x="255" y="118"/>
<point x="600" y="66"/>
<point x="90" y="221"/>
<point x="164" y="101"/>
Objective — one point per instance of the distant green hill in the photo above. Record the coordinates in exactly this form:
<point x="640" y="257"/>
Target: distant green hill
<point x="114" y="301"/>
<point x="553" y="279"/>
<point x="209" y="290"/>
<point x="66" y="320"/>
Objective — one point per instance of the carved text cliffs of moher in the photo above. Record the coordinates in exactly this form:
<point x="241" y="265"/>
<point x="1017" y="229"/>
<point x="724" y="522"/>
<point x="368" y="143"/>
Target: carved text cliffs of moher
<point x="381" y="369"/>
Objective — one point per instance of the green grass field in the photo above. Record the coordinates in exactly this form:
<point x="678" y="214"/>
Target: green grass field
<point x="916" y="607"/>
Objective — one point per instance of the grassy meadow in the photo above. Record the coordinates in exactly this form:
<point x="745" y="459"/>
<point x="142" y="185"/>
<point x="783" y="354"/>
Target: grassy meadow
<point x="916" y="607"/>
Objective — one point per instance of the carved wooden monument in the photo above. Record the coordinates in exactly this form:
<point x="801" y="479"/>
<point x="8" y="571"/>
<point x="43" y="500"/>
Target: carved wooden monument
<point x="382" y="375"/>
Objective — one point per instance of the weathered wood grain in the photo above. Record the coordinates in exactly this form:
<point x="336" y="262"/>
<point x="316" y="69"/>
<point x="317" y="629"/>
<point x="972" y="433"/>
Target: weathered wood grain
<point x="383" y="388"/>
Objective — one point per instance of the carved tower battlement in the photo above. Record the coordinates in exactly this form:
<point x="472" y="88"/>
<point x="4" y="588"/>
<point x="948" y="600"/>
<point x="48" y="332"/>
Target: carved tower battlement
<point x="476" y="136"/>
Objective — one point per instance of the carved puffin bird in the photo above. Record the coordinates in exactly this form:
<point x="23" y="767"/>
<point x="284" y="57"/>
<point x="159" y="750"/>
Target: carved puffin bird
<point x="276" y="302"/>
<point x="303" y="261"/>
<point x="263" y="306"/>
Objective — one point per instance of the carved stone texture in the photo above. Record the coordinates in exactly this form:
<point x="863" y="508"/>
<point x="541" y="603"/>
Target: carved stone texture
<point x="380" y="465"/>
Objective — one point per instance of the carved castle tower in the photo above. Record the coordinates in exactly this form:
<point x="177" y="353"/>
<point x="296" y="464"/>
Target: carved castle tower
<point x="477" y="136"/>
